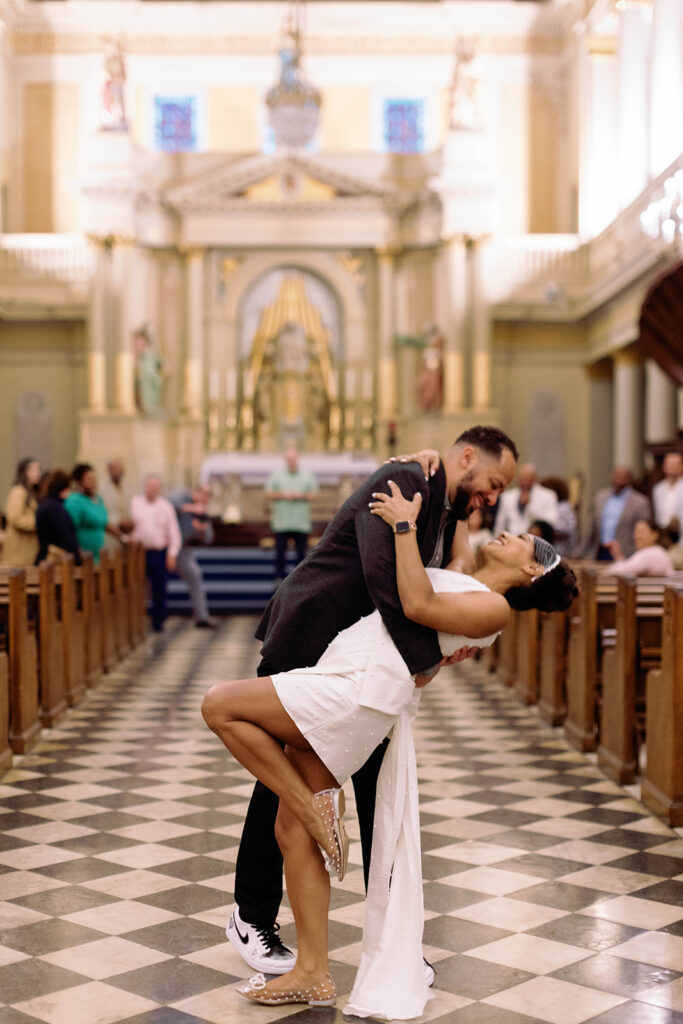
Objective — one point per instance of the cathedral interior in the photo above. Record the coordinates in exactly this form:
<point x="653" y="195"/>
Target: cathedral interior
<point x="357" y="227"/>
<point x="229" y="228"/>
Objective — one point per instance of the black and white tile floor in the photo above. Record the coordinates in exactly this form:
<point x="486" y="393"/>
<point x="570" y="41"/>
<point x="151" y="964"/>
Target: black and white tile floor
<point x="551" y="894"/>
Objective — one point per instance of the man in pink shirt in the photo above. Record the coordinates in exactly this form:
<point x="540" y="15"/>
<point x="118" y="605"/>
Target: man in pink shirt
<point x="155" y="526"/>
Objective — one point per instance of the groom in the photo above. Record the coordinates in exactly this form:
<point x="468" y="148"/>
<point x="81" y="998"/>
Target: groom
<point x="347" y="575"/>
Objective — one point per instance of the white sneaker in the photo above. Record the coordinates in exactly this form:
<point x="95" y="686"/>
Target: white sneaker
<point x="262" y="948"/>
<point x="430" y="973"/>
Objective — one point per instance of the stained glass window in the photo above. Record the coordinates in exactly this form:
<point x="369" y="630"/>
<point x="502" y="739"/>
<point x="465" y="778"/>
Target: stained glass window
<point x="175" y="123"/>
<point x="404" y="126"/>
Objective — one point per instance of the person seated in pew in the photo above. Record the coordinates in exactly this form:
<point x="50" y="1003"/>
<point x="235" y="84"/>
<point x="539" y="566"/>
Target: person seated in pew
<point x="649" y="558"/>
<point x="55" y="527"/>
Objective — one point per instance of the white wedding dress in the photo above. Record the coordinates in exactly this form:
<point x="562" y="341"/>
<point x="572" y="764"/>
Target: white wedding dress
<point x="360" y="691"/>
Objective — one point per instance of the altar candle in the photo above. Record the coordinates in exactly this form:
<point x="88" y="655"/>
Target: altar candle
<point x="350" y="385"/>
<point x="213" y="385"/>
<point x="367" y="385"/>
<point x="231" y="385"/>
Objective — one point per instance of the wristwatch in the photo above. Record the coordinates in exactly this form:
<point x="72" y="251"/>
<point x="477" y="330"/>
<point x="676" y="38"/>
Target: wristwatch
<point x="404" y="526"/>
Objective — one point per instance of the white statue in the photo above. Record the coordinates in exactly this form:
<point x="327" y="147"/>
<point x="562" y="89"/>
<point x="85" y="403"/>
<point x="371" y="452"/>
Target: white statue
<point x="464" y="105"/>
<point x="113" y="115"/>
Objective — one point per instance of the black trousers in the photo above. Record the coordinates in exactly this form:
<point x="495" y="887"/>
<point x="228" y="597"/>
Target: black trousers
<point x="258" y="872"/>
<point x="156" y="572"/>
<point x="300" y="541"/>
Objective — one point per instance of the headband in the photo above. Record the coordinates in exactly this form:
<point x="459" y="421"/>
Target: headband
<point x="545" y="555"/>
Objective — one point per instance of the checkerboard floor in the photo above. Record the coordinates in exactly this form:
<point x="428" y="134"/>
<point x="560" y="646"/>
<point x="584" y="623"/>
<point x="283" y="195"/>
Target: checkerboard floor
<point x="551" y="894"/>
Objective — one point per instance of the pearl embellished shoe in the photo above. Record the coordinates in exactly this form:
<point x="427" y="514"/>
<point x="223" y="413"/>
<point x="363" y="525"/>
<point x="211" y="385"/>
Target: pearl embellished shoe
<point x="330" y="805"/>
<point x="323" y="993"/>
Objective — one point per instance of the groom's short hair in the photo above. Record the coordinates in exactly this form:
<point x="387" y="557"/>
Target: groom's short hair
<point x="489" y="439"/>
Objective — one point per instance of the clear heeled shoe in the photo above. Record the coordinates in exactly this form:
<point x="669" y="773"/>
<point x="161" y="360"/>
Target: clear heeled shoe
<point x="331" y="805"/>
<point x="323" y="993"/>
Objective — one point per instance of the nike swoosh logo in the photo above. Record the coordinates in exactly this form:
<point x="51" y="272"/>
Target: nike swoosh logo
<point x="244" y="938"/>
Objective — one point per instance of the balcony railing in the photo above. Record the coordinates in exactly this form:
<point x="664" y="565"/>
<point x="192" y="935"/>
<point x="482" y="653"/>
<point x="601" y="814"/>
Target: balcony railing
<point x="32" y="257"/>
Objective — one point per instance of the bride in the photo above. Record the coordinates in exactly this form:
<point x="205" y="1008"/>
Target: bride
<point x="303" y="733"/>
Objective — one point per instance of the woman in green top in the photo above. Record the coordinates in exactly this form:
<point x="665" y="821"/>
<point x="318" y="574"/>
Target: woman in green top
<point x="87" y="510"/>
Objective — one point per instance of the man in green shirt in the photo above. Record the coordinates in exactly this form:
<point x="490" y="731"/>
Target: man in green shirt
<point x="290" y="490"/>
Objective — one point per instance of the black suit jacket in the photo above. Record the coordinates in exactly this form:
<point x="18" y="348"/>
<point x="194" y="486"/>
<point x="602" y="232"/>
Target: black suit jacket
<point x="352" y="571"/>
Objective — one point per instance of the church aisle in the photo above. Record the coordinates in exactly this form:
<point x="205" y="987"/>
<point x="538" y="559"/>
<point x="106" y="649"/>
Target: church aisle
<point x="551" y="895"/>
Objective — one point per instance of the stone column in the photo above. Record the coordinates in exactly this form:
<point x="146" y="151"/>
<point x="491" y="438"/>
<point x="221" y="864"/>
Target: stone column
<point x="628" y="410"/>
<point x="131" y="315"/>
<point x="385" y="332"/>
<point x="98" y="326"/>
<point x="666" y="85"/>
<point x="192" y="392"/>
<point x="598" y="144"/>
<point x="632" y="168"/>
<point x="451" y="311"/>
<point x="481" y="328"/>
<point x="661" y="404"/>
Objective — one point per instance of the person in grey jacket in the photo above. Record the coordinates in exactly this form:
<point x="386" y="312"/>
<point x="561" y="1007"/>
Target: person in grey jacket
<point x="195" y="529"/>
<point x="616" y="511"/>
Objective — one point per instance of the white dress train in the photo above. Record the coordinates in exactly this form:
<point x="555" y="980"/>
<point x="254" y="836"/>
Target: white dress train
<point x="360" y="691"/>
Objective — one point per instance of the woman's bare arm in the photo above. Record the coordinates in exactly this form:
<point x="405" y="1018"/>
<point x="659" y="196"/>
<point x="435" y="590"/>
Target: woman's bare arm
<point x="475" y="614"/>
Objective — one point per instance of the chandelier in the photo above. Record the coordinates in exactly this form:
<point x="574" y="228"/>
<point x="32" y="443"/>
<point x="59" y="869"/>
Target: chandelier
<point x="293" y="103"/>
<point x="664" y="217"/>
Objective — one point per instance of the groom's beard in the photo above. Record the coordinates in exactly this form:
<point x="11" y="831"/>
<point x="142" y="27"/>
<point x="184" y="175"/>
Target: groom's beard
<point x="464" y="494"/>
<point x="461" y="501"/>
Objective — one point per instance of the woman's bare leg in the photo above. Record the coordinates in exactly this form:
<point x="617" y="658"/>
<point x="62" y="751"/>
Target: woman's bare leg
<point x="308" y="884"/>
<point x="249" y="718"/>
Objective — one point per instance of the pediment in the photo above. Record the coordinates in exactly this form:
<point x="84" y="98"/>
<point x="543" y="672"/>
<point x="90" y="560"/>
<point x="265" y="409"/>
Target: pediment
<point x="279" y="181"/>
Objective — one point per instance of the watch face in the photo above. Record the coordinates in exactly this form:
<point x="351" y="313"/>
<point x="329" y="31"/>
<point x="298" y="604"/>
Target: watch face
<point x="403" y="526"/>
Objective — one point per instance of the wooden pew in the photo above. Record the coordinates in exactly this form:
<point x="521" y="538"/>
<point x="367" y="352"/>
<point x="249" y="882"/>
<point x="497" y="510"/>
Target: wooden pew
<point x="84" y="576"/>
<point x="5" y="749"/>
<point x="506" y="648"/>
<point x="70" y="584"/>
<point x="138" y="584"/>
<point x="44" y="610"/>
<point x="43" y="594"/>
<point x="554" y="642"/>
<point x="637" y="648"/>
<point x="103" y="597"/>
<point x="591" y="628"/>
<point x="24" y="723"/>
<point x="112" y="580"/>
<point x="662" y="783"/>
<point x="527" y="656"/>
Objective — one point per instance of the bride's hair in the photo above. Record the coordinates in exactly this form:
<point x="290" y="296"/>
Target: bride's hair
<point x="552" y="592"/>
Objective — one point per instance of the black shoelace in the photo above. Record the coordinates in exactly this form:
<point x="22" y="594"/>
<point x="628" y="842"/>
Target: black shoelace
<point x="270" y="938"/>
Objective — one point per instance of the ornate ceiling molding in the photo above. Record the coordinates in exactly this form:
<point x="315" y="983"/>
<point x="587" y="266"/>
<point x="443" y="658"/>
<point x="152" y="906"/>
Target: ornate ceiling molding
<point x="40" y="41"/>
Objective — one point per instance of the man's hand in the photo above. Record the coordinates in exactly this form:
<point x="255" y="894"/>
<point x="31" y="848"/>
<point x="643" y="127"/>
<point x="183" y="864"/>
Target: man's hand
<point x="428" y="458"/>
<point x="421" y="681"/>
<point x="170" y="563"/>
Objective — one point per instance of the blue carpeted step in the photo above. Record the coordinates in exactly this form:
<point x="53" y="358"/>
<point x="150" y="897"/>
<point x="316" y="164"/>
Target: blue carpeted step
<point x="236" y="580"/>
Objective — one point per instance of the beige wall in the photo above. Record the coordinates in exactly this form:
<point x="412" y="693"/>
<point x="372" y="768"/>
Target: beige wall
<point x="533" y="358"/>
<point x="50" y="157"/>
<point x="527" y="147"/>
<point x="345" y="119"/>
<point x="49" y="358"/>
<point x="234" y="119"/>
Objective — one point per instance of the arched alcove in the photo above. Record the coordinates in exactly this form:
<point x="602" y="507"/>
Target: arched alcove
<point x="661" y="320"/>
